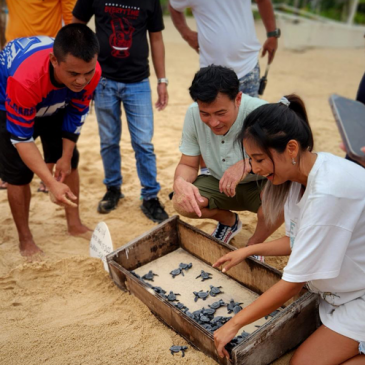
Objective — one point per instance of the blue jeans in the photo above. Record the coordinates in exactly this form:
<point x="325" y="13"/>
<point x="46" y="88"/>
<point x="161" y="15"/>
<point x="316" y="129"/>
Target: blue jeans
<point x="136" y="99"/>
<point x="250" y="83"/>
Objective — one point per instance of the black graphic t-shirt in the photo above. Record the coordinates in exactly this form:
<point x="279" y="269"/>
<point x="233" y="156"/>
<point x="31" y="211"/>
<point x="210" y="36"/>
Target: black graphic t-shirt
<point x="121" y="27"/>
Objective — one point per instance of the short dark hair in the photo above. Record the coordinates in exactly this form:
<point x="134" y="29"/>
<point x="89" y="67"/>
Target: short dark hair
<point x="211" y="80"/>
<point x="78" y="40"/>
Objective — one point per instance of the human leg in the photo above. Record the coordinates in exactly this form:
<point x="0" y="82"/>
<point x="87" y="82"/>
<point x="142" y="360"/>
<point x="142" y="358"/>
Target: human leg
<point x="19" y="201"/>
<point x="138" y="107"/>
<point x="250" y="83"/>
<point x="326" y="347"/>
<point x="50" y="131"/>
<point x="17" y="174"/>
<point x="74" y="225"/>
<point x="108" y="114"/>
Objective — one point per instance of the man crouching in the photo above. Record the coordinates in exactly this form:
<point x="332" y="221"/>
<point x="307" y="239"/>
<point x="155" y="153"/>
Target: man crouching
<point x="210" y="130"/>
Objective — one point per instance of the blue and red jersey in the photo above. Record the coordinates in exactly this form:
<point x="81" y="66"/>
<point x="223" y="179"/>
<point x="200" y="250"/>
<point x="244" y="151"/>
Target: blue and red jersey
<point x="28" y="90"/>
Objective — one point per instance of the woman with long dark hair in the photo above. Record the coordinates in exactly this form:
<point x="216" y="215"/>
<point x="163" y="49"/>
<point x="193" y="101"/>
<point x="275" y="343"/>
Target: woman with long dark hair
<point x="324" y="206"/>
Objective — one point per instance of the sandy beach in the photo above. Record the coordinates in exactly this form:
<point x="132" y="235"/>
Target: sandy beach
<point x="65" y="309"/>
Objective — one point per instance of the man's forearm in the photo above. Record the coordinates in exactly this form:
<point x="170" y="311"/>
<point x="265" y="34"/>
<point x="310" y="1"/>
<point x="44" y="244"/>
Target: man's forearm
<point x="31" y="156"/>
<point x="185" y="172"/>
<point x="158" y="54"/>
<point x="267" y="14"/>
<point x="179" y="21"/>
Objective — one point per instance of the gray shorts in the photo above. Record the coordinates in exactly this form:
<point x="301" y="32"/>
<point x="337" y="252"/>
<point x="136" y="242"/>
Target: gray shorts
<point x="247" y="195"/>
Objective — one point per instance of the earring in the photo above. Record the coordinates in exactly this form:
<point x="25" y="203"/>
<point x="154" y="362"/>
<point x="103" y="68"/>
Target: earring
<point x="293" y="161"/>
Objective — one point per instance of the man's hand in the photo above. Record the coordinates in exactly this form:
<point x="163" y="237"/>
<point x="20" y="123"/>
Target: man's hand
<point x="63" y="169"/>
<point x="187" y="196"/>
<point x="61" y="194"/>
<point x="192" y="38"/>
<point x="163" y="96"/>
<point x="270" y="46"/>
<point x="232" y="176"/>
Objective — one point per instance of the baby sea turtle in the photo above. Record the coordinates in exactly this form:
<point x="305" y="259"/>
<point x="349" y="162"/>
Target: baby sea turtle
<point x="208" y="311"/>
<point x="159" y="290"/>
<point x="185" y="266"/>
<point x="215" y="290"/>
<point x="149" y="276"/>
<point x="232" y="304"/>
<point x="135" y="274"/>
<point x="176" y="272"/>
<point x="180" y="306"/>
<point x="171" y="297"/>
<point x="244" y="334"/>
<point x="217" y="305"/>
<point x="204" y="275"/>
<point x="237" y="309"/>
<point x="176" y="349"/>
<point x="219" y="321"/>
<point x="201" y="294"/>
<point x="204" y="319"/>
<point x="272" y="314"/>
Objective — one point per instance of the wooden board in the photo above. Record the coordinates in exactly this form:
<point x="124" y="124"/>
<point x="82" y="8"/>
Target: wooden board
<point x="277" y="336"/>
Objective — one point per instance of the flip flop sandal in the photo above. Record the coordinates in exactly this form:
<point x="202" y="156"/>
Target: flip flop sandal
<point x="3" y="185"/>
<point x="42" y="188"/>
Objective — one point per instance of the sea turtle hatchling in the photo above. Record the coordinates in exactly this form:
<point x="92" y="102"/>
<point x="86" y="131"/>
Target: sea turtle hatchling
<point x="215" y="290"/>
<point x="171" y="297"/>
<point x="237" y="309"/>
<point x="204" y="275"/>
<point x="176" y="349"/>
<point x="272" y="314"/>
<point x="181" y="306"/>
<point x="135" y="274"/>
<point x="159" y="290"/>
<point x="185" y="267"/>
<point x="217" y="305"/>
<point x="201" y="294"/>
<point x="149" y="276"/>
<point x="232" y="304"/>
<point x="208" y="311"/>
<point x="177" y="272"/>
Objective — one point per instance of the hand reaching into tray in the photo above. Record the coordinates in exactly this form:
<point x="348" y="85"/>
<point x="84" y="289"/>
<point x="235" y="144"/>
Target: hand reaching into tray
<point x="279" y="247"/>
<point x="233" y="258"/>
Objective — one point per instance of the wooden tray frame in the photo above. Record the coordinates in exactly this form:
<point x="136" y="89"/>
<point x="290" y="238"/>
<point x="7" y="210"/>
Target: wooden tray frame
<point x="285" y="331"/>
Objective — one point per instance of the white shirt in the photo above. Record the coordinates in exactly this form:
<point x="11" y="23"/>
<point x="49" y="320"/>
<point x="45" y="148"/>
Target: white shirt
<point x="226" y="33"/>
<point x="326" y="227"/>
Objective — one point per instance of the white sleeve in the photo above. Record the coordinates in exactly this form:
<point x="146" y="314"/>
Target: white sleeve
<point x="180" y="5"/>
<point x="322" y="239"/>
<point x="189" y="144"/>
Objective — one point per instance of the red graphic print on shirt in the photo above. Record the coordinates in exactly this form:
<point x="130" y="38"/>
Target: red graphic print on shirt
<point x="121" y="38"/>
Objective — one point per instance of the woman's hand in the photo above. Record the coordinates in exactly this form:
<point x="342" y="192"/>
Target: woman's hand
<point x="232" y="259"/>
<point x="224" y="335"/>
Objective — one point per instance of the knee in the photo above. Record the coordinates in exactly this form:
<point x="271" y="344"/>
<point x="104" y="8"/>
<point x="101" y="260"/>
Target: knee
<point x="180" y="210"/>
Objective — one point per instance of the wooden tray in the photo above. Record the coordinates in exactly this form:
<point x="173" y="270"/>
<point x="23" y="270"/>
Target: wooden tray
<point x="295" y="322"/>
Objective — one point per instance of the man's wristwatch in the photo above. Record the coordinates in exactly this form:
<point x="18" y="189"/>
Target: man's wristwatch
<point x="163" y="80"/>
<point x="275" y="33"/>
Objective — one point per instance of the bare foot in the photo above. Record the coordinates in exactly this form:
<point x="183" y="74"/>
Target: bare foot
<point x="81" y="231"/>
<point x="29" y="249"/>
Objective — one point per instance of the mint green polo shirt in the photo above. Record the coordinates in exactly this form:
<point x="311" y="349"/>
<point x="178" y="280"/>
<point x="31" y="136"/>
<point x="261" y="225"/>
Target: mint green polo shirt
<point x="219" y="152"/>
